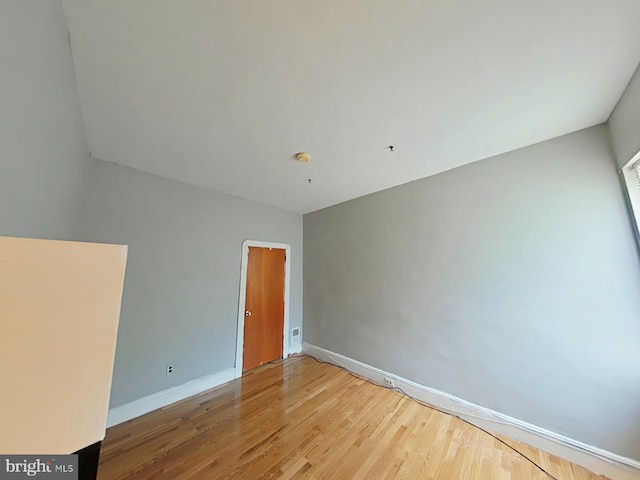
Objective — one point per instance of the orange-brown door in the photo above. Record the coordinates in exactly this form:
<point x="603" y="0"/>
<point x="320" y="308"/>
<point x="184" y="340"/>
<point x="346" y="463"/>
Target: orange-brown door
<point x="264" y="307"/>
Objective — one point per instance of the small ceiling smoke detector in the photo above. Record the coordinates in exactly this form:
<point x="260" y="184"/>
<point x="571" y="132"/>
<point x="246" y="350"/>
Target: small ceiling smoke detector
<point x="303" y="157"/>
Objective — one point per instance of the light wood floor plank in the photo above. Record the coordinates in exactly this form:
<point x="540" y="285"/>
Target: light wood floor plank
<point x="300" y="419"/>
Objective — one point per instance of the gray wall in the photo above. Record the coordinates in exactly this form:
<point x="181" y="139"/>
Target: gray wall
<point x="511" y="283"/>
<point x="42" y="138"/>
<point x="183" y="273"/>
<point x="182" y="283"/>
<point x="625" y="122"/>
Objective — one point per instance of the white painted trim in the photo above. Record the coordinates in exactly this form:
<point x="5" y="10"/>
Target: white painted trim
<point x="592" y="458"/>
<point x="166" y="397"/>
<point x="243" y="294"/>
<point x="631" y="183"/>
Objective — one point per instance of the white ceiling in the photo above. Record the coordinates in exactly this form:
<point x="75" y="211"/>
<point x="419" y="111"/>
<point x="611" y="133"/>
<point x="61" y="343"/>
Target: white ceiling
<point x="223" y="93"/>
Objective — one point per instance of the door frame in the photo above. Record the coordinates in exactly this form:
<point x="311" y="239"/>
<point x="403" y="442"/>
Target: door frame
<point x="243" y="298"/>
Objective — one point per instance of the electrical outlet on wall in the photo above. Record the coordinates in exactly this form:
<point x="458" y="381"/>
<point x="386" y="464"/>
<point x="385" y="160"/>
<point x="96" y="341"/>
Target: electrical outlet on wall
<point x="388" y="382"/>
<point x="169" y="369"/>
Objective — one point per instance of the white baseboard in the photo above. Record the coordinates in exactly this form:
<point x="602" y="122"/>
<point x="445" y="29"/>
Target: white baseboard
<point x="166" y="397"/>
<point x="592" y="458"/>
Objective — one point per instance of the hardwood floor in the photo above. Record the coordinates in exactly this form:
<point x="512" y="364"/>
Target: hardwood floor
<point x="303" y="419"/>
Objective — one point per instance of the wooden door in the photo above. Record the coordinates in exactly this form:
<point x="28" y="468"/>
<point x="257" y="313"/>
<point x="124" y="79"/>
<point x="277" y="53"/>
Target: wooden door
<point x="264" y="307"/>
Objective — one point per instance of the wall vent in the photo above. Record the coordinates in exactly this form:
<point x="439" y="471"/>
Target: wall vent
<point x="295" y="335"/>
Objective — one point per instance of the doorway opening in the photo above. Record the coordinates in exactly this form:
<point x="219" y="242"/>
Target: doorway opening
<point x="263" y="310"/>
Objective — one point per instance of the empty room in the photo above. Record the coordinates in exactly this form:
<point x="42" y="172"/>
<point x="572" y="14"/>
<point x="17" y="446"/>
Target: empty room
<point x="319" y="239"/>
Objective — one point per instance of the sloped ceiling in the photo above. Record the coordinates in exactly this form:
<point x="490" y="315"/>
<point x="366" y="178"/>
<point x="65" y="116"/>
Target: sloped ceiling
<point x="223" y="93"/>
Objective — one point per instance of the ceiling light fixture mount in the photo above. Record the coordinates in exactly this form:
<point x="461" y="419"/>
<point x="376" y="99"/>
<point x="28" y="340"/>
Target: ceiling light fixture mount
<point x="303" y="157"/>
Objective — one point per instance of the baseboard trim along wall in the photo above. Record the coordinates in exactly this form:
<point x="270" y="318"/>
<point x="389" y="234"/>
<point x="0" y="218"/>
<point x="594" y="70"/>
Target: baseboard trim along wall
<point x="297" y="348"/>
<point x="594" y="459"/>
<point x="171" y="395"/>
<point x="166" y="397"/>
